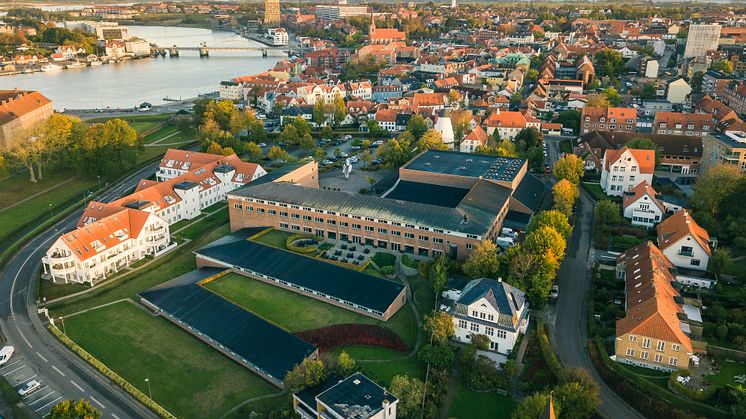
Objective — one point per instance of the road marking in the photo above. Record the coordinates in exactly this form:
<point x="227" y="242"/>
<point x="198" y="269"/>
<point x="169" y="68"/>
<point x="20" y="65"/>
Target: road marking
<point x="58" y="371"/>
<point x="53" y="401"/>
<point x="98" y="402"/>
<point x="76" y="385"/>
<point x="115" y="416"/>
<point x="26" y="380"/>
<point x="42" y="357"/>
<point x="11" y="372"/>
<point x="10" y="365"/>
<point x="41" y="398"/>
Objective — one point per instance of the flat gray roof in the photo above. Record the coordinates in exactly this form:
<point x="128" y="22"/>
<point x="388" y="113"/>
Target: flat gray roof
<point x="467" y="164"/>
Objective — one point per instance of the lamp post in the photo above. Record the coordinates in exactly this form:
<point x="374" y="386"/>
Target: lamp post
<point x="99" y="181"/>
<point x="150" y="394"/>
<point x="62" y="319"/>
<point x="50" y="210"/>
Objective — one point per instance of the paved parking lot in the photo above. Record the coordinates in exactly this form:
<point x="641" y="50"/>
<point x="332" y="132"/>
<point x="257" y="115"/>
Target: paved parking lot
<point x="18" y="373"/>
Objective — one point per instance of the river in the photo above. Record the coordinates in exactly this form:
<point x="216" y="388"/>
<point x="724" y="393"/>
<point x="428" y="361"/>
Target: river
<point x="132" y="82"/>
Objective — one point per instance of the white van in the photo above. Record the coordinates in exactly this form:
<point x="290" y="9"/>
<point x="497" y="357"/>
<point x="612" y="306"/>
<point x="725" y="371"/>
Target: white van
<point x="508" y="232"/>
<point x="504" y="242"/>
<point x="5" y="354"/>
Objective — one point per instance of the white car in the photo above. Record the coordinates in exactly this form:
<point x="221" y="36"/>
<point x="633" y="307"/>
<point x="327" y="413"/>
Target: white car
<point x="29" y="388"/>
<point x="554" y="293"/>
<point x="353" y="159"/>
<point x="5" y="354"/>
<point x="262" y="145"/>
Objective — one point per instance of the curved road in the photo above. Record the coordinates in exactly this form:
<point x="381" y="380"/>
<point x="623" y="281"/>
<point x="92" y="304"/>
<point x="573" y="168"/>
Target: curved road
<point x="38" y="353"/>
<point x="568" y="318"/>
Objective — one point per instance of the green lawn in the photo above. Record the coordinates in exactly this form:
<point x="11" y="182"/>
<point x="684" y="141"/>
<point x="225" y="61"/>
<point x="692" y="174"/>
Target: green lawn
<point x="728" y="370"/>
<point x="140" y="123"/>
<point x="394" y="363"/>
<point x="160" y="133"/>
<point x="274" y="238"/>
<point x="295" y="312"/>
<point x="205" y="224"/>
<point x="187" y="377"/>
<point x="175" y="263"/>
<point x="565" y="146"/>
<point x="595" y="190"/>
<point x="468" y="404"/>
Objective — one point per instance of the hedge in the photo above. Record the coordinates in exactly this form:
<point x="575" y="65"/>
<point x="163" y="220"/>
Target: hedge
<point x="675" y="386"/>
<point x="121" y="382"/>
<point x="330" y="337"/>
<point x="654" y="401"/>
<point x="383" y="259"/>
<point x="555" y="367"/>
<point x="409" y="262"/>
<point x="298" y="249"/>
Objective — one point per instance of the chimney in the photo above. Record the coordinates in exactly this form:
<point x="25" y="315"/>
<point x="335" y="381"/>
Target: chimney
<point x="466" y="219"/>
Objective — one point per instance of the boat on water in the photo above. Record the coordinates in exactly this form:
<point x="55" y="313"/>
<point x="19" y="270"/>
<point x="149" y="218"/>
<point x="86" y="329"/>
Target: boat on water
<point x="50" y="67"/>
<point x="76" y="64"/>
<point x="95" y="63"/>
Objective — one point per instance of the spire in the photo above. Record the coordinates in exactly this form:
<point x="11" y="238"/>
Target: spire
<point x="372" y="21"/>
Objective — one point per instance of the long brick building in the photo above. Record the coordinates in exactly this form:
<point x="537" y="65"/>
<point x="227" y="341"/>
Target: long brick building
<point x="443" y="202"/>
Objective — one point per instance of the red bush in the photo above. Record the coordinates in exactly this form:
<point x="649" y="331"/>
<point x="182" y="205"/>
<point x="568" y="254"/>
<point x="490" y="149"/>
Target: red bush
<point x="326" y="338"/>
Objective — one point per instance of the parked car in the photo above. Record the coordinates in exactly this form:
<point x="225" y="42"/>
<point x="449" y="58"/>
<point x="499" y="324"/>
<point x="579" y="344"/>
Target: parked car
<point x="326" y="162"/>
<point x="353" y="159"/>
<point x="262" y="145"/>
<point x="343" y="155"/>
<point x="554" y="293"/>
<point x="29" y="388"/>
<point x="355" y="147"/>
<point x="377" y="161"/>
<point x="377" y="143"/>
<point x="5" y="354"/>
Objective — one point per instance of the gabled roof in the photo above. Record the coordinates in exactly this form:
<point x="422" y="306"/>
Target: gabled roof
<point x="477" y="134"/>
<point x="504" y="298"/>
<point x="16" y="103"/>
<point x="638" y="192"/>
<point x="506" y="119"/>
<point x="678" y="226"/>
<point x="645" y="158"/>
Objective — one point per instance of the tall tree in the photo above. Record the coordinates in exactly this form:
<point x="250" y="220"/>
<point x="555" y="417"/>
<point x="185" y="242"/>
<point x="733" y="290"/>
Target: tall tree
<point x="74" y="409"/>
<point x="438" y="276"/>
<point x="551" y="218"/>
<point x="411" y="393"/>
<point x="253" y="151"/>
<point x="440" y="326"/>
<point x="569" y="167"/>
<point x="306" y="374"/>
<point x="431" y="140"/>
<point x="483" y="261"/>
<point x="319" y="113"/>
<point x="340" y="110"/>
<point x="417" y="126"/>
<point x="712" y="186"/>
<point x="544" y="241"/>
<point x="277" y="153"/>
<point x="564" y="196"/>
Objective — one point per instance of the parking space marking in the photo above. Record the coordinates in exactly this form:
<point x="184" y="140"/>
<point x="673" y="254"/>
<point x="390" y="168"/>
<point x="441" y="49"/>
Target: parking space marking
<point x="98" y="402"/>
<point x="42" y="357"/>
<point x="41" y="398"/>
<point x="76" y="385"/>
<point x="9" y="365"/>
<point x="11" y="372"/>
<point x="26" y="380"/>
<point x="58" y="371"/>
<point x="53" y="401"/>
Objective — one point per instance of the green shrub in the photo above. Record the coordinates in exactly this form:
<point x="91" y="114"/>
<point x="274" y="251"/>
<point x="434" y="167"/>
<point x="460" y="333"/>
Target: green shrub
<point x="546" y="350"/>
<point x="297" y="249"/>
<point x="387" y="270"/>
<point x="325" y="246"/>
<point x="383" y="259"/>
<point x="409" y="262"/>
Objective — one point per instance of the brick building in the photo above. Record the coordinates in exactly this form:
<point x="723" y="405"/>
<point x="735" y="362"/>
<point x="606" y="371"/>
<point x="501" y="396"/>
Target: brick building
<point x="608" y="119"/>
<point x="20" y="112"/>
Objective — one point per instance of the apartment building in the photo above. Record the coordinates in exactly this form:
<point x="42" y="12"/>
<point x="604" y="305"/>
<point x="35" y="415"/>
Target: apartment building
<point x="726" y="148"/>
<point x="508" y="123"/>
<point x="354" y="397"/>
<point x="492" y="308"/>
<point x="652" y="334"/>
<point x="734" y="95"/>
<point x="684" y="242"/>
<point x="687" y="124"/>
<point x="444" y="202"/>
<point x="608" y="119"/>
<point x="700" y="39"/>
<point x="21" y="111"/>
<point x="101" y="248"/>
<point x="625" y="168"/>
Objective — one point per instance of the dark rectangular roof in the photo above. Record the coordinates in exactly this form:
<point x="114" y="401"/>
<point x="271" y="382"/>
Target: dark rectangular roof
<point x="356" y="397"/>
<point x="530" y="191"/>
<point x="467" y="164"/>
<point x="185" y="185"/>
<point x="346" y="284"/>
<point x="276" y="173"/>
<point x="137" y="204"/>
<point x="262" y="344"/>
<point x="427" y="193"/>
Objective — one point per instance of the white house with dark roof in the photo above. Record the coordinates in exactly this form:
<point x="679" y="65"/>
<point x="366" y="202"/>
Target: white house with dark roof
<point x="354" y="397"/>
<point x="641" y="205"/>
<point x="492" y="308"/>
<point x="684" y="242"/>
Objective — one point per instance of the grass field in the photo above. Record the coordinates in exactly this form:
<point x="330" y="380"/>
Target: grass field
<point x="140" y="123"/>
<point x="728" y="370"/>
<point x="187" y="377"/>
<point x="468" y="404"/>
<point x="160" y="133"/>
<point x="274" y="238"/>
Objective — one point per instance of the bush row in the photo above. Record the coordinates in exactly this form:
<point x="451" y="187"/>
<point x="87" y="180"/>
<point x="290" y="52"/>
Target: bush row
<point x="329" y="337"/>
<point x="289" y="243"/>
<point x="121" y="382"/>
<point x="655" y="402"/>
<point x="546" y="350"/>
<point x="675" y="386"/>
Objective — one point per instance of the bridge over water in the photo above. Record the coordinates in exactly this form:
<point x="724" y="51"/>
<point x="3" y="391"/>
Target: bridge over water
<point x="204" y="50"/>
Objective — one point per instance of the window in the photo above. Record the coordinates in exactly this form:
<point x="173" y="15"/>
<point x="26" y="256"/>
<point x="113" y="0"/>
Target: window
<point x="294" y="215"/>
<point x="368" y="228"/>
<point x="632" y="338"/>
<point x="319" y="220"/>
<point x="462" y="324"/>
<point x="673" y="361"/>
<point x="437" y="240"/>
<point x="644" y="355"/>
<point x="686" y="251"/>
<point x="424" y="238"/>
<point x="474" y="327"/>
<point x="489" y="331"/>
<point x="382" y="231"/>
<point x="645" y="342"/>
<point x="344" y="224"/>
<point x="675" y="347"/>
<point x="469" y="246"/>
<point x="502" y="334"/>
<point x="272" y="212"/>
<point x="332" y="222"/>
<point x="396" y="233"/>
<point x="695" y="262"/>
<point x="630" y="352"/>
<point x="658" y="358"/>
<point x="408" y="235"/>
<point x="660" y="346"/>
<point x="283" y="214"/>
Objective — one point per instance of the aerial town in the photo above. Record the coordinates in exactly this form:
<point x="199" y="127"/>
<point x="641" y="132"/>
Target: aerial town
<point x="373" y="210"/>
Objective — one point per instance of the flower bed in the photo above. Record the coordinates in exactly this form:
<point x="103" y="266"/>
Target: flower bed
<point x="329" y="337"/>
<point x="299" y="243"/>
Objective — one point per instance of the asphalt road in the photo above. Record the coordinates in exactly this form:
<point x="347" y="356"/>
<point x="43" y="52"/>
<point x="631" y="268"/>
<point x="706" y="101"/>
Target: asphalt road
<point x="63" y="374"/>
<point x="568" y="318"/>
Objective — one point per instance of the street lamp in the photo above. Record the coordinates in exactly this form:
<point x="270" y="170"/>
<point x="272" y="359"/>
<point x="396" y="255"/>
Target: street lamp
<point x="50" y="210"/>
<point x="62" y="319"/>
<point x="99" y="181"/>
<point x="150" y="394"/>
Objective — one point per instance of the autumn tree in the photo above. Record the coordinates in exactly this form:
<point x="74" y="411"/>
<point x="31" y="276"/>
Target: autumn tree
<point x="431" y="140"/>
<point x="253" y="152"/>
<point x="340" y="110"/>
<point x="564" y="196"/>
<point x="417" y="126"/>
<point x="552" y="218"/>
<point x="108" y="148"/>
<point x="480" y="341"/>
<point x="712" y="186"/>
<point x="346" y="365"/>
<point x="74" y="409"/>
<point x="306" y="374"/>
<point x="545" y="241"/>
<point x="532" y="407"/>
<point x="608" y="213"/>
<point x="277" y="153"/>
<point x="483" y="261"/>
<point x="461" y="122"/>
<point x="411" y="393"/>
<point x="612" y="95"/>
<point x="396" y="151"/>
<point x="440" y="326"/>
<point x="438" y="275"/>
<point x="54" y="140"/>
<point x="569" y="167"/>
<point x="319" y="113"/>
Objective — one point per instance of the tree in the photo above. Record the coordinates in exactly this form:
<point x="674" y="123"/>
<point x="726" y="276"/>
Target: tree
<point x="532" y="407"/>
<point x="217" y="149"/>
<point x="564" y="196"/>
<point x="723" y="65"/>
<point x="720" y="261"/>
<point x="696" y="82"/>
<point x="481" y="341"/>
<point x="431" y="140"/>
<point x="483" y="261"/>
<point x="440" y="357"/>
<point x="306" y="374"/>
<point x="612" y="95"/>
<point x="569" y="119"/>
<point x="597" y="101"/>
<point x="417" y="126"/>
<point x="366" y="157"/>
<point x="253" y="151"/>
<point x="375" y="130"/>
<point x="26" y="156"/>
<point x="608" y="213"/>
<point x="545" y="241"/>
<point x="340" y="110"/>
<point x="396" y="151"/>
<point x="579" y="400"/>
<point x="107" y="148"/>
<point x="438" y="275"/>
<point x="55" y="139"/>
<point x="529" y="137"/>
<point x="569" y="167"/>
<point x="319" y="113"/>
<point x="461" y="122"/>
<point x="410" y="392"/>
<point x="276" y="153"/>
<point x="345" y="364"/>
<point x="296" y="131"/>
<point x="440" y="326"/>
<point x="552" y="218"/>
<point x="609" y="63"/>
<point x="74" y="409"/>
<point x="711" y="186"/>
